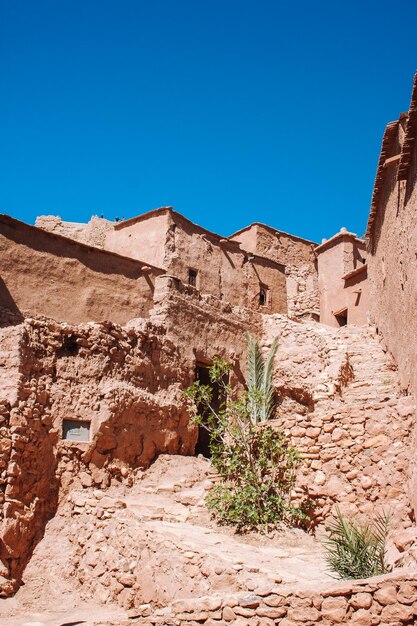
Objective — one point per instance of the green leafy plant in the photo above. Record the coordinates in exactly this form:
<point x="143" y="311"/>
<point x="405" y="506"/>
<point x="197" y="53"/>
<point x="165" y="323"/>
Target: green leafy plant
<point x="256" y="463"/>
<point x="260" y="379"/>
<point x="357" y="551"/>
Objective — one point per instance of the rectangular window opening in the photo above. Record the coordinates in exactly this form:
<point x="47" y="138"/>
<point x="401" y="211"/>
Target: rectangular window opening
<point x="76" y="430"/>
<point x="263" y="296"/>
<point x="192" y="277"/>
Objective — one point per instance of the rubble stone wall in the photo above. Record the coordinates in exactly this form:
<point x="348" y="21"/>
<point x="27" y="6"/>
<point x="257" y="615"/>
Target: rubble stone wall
<point x="391" y="599"/>
<point x="340" y="403"/>
<point x="46" y="274"/>
<point x="126" y="382"/>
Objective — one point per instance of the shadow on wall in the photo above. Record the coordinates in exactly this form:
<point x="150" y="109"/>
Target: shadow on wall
<point x="10" y="315"/>
<point x="95" y="259"/>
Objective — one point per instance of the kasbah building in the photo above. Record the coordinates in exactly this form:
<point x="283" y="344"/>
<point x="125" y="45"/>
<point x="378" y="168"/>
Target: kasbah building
<point x="102" y="517"/>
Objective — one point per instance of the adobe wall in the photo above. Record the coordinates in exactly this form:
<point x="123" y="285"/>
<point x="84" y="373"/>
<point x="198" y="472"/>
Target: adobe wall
<point x="225" y="271"/>
<point x="392" y="234"/>
<point x="165" y="238"/>
<point x="392" y="269"/>
<point x="342" y="283"/>
<point x="298" y="257"/>
<point x="46" y="274"/>
<point x="144" y="237"/>
<point x="203" y="325"/>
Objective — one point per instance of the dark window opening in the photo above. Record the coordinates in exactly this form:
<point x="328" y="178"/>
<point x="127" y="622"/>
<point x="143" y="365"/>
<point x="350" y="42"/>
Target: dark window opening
<point x="192" y="277"/>
<point x="341" y="317"/>
<point x="76" y="430"/>
<point x="69" y="346"/>
<point x="203" y="441"/>
<point x="263" y="297"/>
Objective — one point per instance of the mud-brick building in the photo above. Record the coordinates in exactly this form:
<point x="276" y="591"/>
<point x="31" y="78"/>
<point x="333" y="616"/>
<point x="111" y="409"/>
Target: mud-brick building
<point x="259" y="268"/>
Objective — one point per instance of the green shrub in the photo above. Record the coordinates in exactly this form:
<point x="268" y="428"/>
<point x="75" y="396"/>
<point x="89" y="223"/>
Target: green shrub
<point x="256" y="463"/>
<point x="357" y="551"/>
<point x="260" y="379"/>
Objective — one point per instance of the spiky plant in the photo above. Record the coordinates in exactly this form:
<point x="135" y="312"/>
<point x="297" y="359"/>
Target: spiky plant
<point x="357" y="551"/>
<point x="261" y="391"/>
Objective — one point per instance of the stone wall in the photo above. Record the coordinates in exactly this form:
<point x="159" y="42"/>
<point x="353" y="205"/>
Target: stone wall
<point x="385" y="600"/>
<point x="47" y="274"/>
<point x="340" y="403"/>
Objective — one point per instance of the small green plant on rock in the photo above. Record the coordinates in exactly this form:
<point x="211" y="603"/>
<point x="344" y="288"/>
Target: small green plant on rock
<point x="357" y="551"/>
<point x="255" y="462"/>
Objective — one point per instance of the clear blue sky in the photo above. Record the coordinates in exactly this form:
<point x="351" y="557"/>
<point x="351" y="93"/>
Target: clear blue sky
<point x="232" y="111"/>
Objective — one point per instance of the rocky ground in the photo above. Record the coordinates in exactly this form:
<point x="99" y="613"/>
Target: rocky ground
<point x="107" y="555"/>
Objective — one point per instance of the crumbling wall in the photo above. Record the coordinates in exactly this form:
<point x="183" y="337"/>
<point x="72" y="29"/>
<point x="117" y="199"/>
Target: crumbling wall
<point x="92" y="234"/>
<point x="339" y="400"/>
<point x="126" y="382"/>
<point x="202" y="325"/>
<point x="224" y="270"/>
<point x="46" y="274"/>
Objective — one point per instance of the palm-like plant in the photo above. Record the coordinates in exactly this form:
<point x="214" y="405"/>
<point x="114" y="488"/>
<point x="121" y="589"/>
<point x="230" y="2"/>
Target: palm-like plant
<point x="261" y="391"/>
<point x="357" y="551"/>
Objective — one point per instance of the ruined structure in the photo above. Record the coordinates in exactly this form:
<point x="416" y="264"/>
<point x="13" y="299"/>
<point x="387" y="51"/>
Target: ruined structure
<point x="102" y="327"/>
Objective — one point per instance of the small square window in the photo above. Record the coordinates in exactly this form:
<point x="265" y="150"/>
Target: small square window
<point x="263" y="296"/>
<point x="76" y="430"/>
<point x="192" y="277"/>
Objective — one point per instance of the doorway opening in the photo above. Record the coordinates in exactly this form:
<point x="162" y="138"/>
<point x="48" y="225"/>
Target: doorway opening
<point x="203" y="376"/>
<point x="342" y="317"/>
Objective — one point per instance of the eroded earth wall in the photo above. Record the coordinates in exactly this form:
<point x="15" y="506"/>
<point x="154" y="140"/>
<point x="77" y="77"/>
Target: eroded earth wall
<point x="125" y="383"/>
<point x="392" y="234"/>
